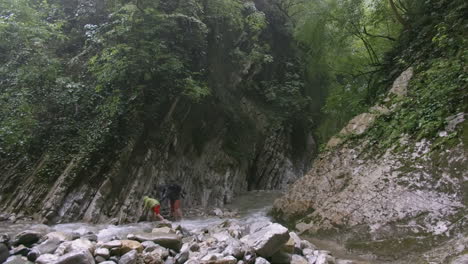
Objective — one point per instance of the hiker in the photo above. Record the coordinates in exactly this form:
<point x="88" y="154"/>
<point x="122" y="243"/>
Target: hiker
<point x="173" y="192"/>
<point x="154" y="206"/>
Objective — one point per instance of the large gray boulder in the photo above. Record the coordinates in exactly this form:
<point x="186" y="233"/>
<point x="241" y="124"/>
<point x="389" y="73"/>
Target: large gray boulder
<point x="171" y="241"/>
<point x="267" y="240"/>
<point x="129" y="258"/>
<point x="48" y="246"/>
<point x="82" y="256"/>
<point x="102" y="252"/>
<point x="46" y="259"/>
<point x="81" y="243"/>
<point x="27" y="238"/>
<point x="261" y="260"/>
<point x="17" y="260"/>
<point x="112" y="244"/>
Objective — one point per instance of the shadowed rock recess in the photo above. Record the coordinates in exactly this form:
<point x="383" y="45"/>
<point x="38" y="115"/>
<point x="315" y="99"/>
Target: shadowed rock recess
<point x="218" y="147"/>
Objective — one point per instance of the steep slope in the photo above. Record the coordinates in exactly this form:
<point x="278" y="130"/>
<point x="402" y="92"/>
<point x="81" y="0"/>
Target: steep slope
<point x="180" y="96"/>
<point x="394" y="181"/>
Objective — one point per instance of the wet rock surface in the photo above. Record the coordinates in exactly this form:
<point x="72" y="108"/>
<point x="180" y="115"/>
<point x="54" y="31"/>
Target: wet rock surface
<point x="388" y="200"/>
<point x="234" y="241"/>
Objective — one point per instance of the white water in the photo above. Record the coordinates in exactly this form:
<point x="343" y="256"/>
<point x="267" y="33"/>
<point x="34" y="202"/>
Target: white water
<point x="251" y="207"/>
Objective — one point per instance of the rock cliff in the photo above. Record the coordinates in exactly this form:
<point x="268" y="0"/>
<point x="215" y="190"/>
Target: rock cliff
<point x="216" y="148"/>
<point x="394" y="200"/>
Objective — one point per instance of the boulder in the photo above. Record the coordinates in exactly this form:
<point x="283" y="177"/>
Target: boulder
<point x="108" y="262"/>
<point x="281" y="257"/>
<point x="17" y="260"/>
<point x="20" y="250"/>
<point x="164" y="230"/>
<point x="171" y="241"/>
<point x="249" y="256"/>
<point x="267" y="240"/>
<point x="27" y="238"/>
<point x="306" y="244"/>
<point x="296" y="259"/>
<point x="308" y="252"/>
<point x="4" y="252"/>
<point x="112" y="244"/>
<point x="161" y="251"/>
<point x="234" y="250"/>
<point x="48" y="246"/>
<point x="82" y="256"/>
<point x="152" y="258"/>
<point x="222" y="236"/>
<point x="227" y="260"/>
<point x="61" y="250"/>
<point x="102" y="252"/>
<point x="217" y="212"/>
<point x="81" y="243"/>
<point x="46" y="259"/>
<point x="129" y="257"/>
<point x="289" y="246"/>
<point x="129" y="245"/>
<point x="99" y="259"/>
<point x="33" y="255"/>
<point x="182" y="257"/>
<point x="90" y="236"/>
<point x="194" y="247"/>
<point x="261" y="260"/>
<point x="149" y="245"/>
<point x="324" y="258"/>
<point x="170" y="260"/>
<point x="61" y="236"/>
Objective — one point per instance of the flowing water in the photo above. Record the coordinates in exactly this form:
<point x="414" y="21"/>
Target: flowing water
<point x="251" y="207"/>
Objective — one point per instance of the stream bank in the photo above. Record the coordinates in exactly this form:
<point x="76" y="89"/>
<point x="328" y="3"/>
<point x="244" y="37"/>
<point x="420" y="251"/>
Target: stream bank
<point x="249" y="237"/>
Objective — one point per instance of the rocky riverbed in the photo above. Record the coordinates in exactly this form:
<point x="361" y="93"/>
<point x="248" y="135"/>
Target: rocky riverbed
<point x="217" y="240"/>
<point x="241" y="233"/>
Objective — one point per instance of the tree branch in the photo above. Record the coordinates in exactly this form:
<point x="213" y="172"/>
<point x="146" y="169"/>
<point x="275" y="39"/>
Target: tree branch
<point x="398" y="15"/>
<point x="378" y="36"/>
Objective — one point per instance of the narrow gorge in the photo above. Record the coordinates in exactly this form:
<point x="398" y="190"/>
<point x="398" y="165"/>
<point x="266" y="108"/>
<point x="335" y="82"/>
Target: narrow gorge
<point x="291" y="125"/>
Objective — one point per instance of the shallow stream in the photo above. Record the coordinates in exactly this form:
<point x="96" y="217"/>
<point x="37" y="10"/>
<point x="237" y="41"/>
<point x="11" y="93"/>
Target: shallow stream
<point x="251" y="207"/>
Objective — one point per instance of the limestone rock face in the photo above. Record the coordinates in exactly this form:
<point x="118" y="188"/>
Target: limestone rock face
<point x="215" y="150"/>
<point x="376" y="199"/>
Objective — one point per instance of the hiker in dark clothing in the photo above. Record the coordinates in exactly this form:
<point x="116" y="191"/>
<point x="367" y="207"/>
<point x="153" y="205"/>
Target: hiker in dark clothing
<point x="174" y="192"/>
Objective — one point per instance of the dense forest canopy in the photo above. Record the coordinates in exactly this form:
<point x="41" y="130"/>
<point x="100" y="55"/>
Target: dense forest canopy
<point x="76" y="73"/>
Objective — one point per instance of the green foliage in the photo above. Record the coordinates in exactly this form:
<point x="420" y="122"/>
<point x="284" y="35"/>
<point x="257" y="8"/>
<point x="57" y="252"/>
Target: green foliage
<point x="195" y="90"/>
<point x="28" y="71"/>
<point x="345" y="44"/>
<point x="438" y="89"/>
